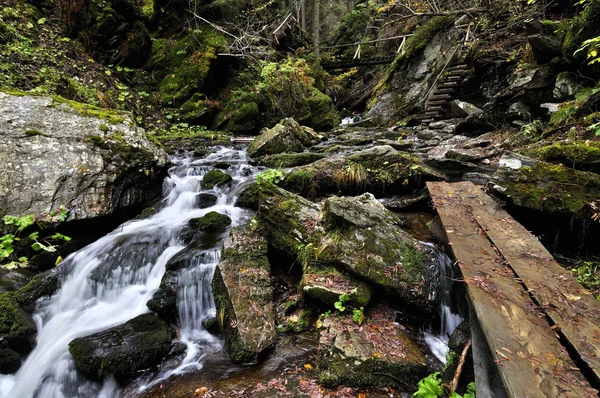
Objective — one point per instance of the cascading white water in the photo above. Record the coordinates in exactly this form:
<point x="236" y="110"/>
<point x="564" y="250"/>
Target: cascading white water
<point x="451" y="315"/>
<point x="109" y="282"/>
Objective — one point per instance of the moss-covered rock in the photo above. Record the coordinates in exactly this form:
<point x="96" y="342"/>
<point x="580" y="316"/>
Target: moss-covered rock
<point x="205" y="200"/>
<point x="286" y="136"/>
<point x="215" y="178"/>
<point x="11" y="280"/>
<point x="323" y="115"/>
<point x="326" y="284"/>
<point x="246" y="119"/>
<point x="211" y="222"/>
<point x="547" y="187"/>
<point x="377" y="353"/>
<point x="17" y="329"/>
<point x="248" y="199"/>
<point x="10" y="361"/>
<point x="577" y="154"/>
<point x="381" y="170"/>
<point x="291" y="159"/>
<point x="357" y="235"/>
<point x="123" y="350"/>
<point x="244" y="296"/>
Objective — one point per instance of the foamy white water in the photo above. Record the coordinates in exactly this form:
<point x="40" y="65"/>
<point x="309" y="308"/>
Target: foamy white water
<point x="109" y="282"/>
<point x="451" y="315"/>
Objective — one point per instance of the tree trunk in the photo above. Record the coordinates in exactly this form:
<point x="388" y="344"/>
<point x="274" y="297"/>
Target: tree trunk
<point x="316" y="27"/>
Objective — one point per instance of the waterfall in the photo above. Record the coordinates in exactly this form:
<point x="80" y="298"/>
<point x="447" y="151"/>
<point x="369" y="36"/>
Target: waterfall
<point x="109" y="282"/>
<point x="451" y="311"/>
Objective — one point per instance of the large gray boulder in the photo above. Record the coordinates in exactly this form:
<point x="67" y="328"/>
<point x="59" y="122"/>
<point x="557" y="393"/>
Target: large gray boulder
<point x="244" y="296"/>
<point x="57" y="154"/>
<point x="531" y="79"/>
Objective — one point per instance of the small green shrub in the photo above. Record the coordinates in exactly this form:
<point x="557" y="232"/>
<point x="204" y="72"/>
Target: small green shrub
<point x="274" y="176"/>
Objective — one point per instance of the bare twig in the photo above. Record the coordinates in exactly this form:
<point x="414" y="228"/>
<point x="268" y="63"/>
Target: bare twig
<point x="459" y="368"/>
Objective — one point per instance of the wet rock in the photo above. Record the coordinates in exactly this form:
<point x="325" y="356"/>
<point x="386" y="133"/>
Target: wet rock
<point x="287" y="136"/>
<point x="215" y="178"/>
<point x="10" y="361"/>
<point x="291" y="159"/>
<point x="535" y="78"/>
<point x="482" y="141"/>
<point x="248" y="199"/>
<point x="473" y="126"/>
<point x="566" y="86"/>
<point x="326" y="284"/>
<point x="403" y="202"/>
<point x="17" y="329"/>
<point x="244" y="296"/>
<point x="124" y="350"/>
<point x="590" y="105"/>
<point x="582" y="155"/>
<point x="399" y="145"/>
<point x="446" y="126"/>
<point x="58" y="154"/>
<point x="377" y="353"/>
<point x="211" y="222"/>
<point x="545" y="46"/>
<point x="355" y="138"/>
<point x="205" y="200"/>
<point x="461" y="109"/>
<point x="436" y="227"/>
<point x="477" y="178"/>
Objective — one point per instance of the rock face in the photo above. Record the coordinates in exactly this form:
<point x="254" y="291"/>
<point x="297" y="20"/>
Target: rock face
<point x="52" y="158"/>
<point x="376" y="353"/>
<point x="531" y="79"/>
<point x="326" y="284"/>
<point x="413" y="72"/>
<point x="123" y="350"/>
<point x="244" y="296"/>
<point x="287" y="136"/>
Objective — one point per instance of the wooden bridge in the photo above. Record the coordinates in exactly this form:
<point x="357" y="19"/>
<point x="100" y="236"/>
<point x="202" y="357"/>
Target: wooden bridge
<point x="351" y="63"/>
<point x="535" y="329"/>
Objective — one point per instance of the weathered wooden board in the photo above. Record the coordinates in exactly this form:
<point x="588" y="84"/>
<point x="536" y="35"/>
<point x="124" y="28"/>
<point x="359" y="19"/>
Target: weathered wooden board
<point x="531" y="361"/>
<point x="570" y="306"/>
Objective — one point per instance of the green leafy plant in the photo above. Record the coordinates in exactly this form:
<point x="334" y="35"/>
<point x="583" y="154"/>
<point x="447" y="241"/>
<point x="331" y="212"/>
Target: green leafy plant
<point x="595" y="128"/>
<point x="359" y="315"/>
<point x="274" y="176"/>
<point x="339" y="305"/>
<point x="432" y="386"/>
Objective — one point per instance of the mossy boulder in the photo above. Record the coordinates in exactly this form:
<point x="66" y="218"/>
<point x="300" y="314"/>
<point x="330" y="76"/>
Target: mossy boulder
<point x="124" y="350"/>
<point x="379" y="352"/>
<point x="356" y="235"/>
<point x="11" y="280"/>
<point x="211" y="222"/>
<point x="327" y="284"/>
<point x="17" y="329"/>
<point x="323" y="115"/>
<point x="547" y="187"/>
<point x="215" y="178"/>
<point x="286" y="136"/>
<point x="205" y="200"/>
<point x="381" y="170"/>
<point x="244" y="296"/>
<point x="246" y="119"/>
<point x="291" y="159"/>
<point x="248" y="199"/>
<point x="578" y="154"/>
<point x="10" y="361"/>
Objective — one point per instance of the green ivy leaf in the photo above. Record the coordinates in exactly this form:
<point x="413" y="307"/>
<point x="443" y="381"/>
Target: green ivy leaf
<point x="34" y="235"/>
<point x="41" y="21"/>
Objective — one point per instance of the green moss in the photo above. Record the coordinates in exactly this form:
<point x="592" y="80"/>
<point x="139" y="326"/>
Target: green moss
<point x="291" y="159"/>
<point x="215" y="178"/>
<point x="211" y="222"/>
<point x="13" y="320"/>
<point x="571" y="153"/>
<point x="413" y="261"/>
<point x="104" y="128"/>
<point x="298" y="180"/>
<point x="246" y="119"/>
<point x="10" y="361"/>
<point x="32" y="133"/>
<point x="323" y="115"/>
<point x="553" y="188"/>
<point x="42" y="285"/>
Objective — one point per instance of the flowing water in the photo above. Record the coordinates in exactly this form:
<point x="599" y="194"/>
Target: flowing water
<point x="109" y="282"/>
<point x="451" y="311"/>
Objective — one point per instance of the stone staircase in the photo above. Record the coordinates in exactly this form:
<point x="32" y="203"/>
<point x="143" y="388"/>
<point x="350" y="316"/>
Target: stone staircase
<point x="444" y="92"/>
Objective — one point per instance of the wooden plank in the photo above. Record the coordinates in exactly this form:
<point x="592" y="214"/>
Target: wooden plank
<point x="570" y="306"/>
<point x="530" y="359"/>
